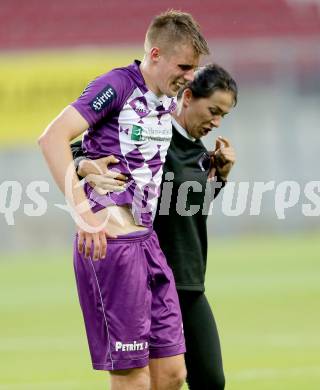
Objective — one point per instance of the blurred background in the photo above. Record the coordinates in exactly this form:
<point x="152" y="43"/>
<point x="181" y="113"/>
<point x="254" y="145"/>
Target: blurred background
<point x="263" y="276"/>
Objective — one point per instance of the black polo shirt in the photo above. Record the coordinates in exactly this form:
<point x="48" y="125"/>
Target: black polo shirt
<point x="183" y="238"/>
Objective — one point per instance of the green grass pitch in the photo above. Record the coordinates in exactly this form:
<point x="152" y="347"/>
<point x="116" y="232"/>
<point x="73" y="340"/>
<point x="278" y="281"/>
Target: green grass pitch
<point x="265" y="294"/>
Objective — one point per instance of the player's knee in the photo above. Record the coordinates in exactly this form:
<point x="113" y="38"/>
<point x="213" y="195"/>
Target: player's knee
<point x="133" y="379"/>
<point x="180" y="376"/>
<point x="174" y="378"/>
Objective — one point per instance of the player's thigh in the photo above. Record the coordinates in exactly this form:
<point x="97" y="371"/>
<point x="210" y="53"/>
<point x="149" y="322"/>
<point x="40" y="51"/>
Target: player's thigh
<point x="116" y="305"/>
<point x="167" y="370"/>
<point x="166" y="330"/>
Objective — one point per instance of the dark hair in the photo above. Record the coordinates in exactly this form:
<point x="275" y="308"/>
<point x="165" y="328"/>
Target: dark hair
<point x="209" y="79"/>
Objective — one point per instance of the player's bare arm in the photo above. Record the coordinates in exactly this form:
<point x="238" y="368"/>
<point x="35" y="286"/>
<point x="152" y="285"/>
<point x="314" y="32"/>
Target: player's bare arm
<point x="55" y="145"/>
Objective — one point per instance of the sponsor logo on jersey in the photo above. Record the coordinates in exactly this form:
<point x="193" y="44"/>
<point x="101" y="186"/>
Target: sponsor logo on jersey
<point x="103" y="99"/>
<point x="127" y="347"/>
<point x="139" y="133"/>
<point x="136" y="133"/>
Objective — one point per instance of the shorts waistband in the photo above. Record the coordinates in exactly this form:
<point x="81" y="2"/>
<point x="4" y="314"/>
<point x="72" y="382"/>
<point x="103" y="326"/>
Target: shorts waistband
<point x="139" y="235"/>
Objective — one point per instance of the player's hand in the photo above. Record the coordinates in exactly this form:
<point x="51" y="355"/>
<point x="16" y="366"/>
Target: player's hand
<point x="103" y="184"/>
<point x="222" y="158"/>
<point x="92" y="237"/>
<point x="99" y="177"/>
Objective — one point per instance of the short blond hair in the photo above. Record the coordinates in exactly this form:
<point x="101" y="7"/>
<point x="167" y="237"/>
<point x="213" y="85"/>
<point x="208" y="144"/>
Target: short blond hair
<point x="172" y="27"/>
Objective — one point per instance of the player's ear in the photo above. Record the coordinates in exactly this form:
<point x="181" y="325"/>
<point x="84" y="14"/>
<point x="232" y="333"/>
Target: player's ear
<point x="187" y="96"/>
<point x="155" y="54"/>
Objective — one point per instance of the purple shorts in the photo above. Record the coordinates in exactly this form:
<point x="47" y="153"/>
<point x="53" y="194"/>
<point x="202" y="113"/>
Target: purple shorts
<point x="129" y="303"/>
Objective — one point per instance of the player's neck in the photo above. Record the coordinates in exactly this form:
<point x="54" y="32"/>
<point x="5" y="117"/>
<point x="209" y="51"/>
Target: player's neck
<point x="148" y="77"/>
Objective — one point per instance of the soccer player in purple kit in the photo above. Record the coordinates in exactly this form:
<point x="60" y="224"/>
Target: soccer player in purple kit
<point x="201" y="105"/>
<point x="128" y="297"/>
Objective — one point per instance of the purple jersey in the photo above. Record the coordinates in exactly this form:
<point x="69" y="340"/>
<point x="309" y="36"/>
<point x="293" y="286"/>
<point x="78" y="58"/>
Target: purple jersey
<point x="132" y="123"/>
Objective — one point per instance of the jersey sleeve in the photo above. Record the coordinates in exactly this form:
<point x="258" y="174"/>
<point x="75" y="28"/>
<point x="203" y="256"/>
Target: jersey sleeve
<point x="102" y="96"/>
